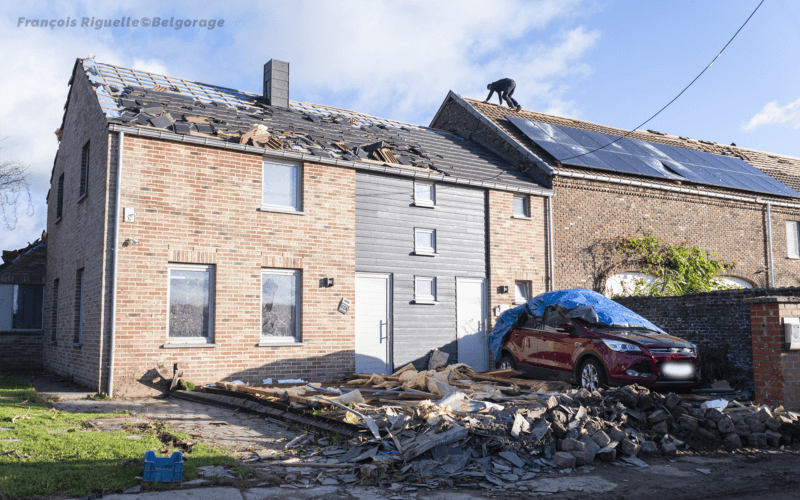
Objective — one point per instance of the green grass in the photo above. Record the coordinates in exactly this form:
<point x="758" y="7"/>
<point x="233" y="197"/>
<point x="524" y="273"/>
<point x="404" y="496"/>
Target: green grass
<point x="79" y="461"/>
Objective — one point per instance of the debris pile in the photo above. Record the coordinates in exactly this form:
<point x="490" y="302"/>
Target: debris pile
<point x="455" y="424"/>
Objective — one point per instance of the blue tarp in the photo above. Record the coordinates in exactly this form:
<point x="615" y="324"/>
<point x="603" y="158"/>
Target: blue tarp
<point x="582" y="303"/>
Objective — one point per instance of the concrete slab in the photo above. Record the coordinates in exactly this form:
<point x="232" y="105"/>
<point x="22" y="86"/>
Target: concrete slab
<point x="216" y="493"/>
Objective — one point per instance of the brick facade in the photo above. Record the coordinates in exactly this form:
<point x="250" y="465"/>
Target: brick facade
<point x="201" y="205"/>
<point x="588" y="214"/>
<point x="76" y="241"/>
<point x="776" y="369"/>
<point x="517" y="248"/>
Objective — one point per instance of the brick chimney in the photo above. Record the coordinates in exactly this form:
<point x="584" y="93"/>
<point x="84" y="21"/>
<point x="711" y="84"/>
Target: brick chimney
<point x="276" y="83"/>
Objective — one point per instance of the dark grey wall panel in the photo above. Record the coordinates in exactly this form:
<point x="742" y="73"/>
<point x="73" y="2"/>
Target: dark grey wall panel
<point x="385" y="222"/>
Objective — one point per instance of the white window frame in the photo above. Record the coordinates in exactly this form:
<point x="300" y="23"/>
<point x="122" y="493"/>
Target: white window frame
<point x="425" y="251"/>
<point x="419" y="202"/>
<point x="526" y="200"/>
<point x="284" y="341"/>
<point x="212" y="285"/>
<point x="517" y="298"/>
<point x="297" y="208"/>
<point x="425" y="299"/>
<point x="793" y="229"/>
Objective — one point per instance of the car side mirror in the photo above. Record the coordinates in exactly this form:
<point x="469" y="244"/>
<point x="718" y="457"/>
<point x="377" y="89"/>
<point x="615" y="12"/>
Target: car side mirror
<point x="565" y="328"/>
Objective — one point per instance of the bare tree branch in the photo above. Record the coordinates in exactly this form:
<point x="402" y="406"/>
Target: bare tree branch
<point x="14" y="190"/>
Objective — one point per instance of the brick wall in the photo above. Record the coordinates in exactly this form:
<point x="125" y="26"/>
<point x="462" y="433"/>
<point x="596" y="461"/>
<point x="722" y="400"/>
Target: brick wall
<point x="588" y="214"/>
<point x="201" y="205"/>
<point x="20" y="352"/>
<point x="77" y="240"/>
<point x="710" y="320"/>
<point x="517" y="247"/>
<point x="787" y="269"/>
<point x="776" y="369"/>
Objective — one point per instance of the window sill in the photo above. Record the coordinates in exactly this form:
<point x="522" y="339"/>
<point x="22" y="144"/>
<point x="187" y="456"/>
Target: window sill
<point x="521" y="217"/>
<point x="425" y="302"/>
<point x="281" y="344"/>
<point x="792" y="258"/>
<point x="78" y="344"/>
<point x="83" y="196"/>
<point x="520" y="303"/>
<point x="53" y="342"/>
<point x="281" y="210"/>
<point x="58" y="220"/>
<point x="425" y="254"/>
<point x="186" y="345"/>
<point x="423" y="205"/>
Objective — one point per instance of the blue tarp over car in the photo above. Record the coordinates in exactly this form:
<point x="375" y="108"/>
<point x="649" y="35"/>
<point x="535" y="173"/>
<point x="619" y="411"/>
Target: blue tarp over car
<point x="578" y="303"/>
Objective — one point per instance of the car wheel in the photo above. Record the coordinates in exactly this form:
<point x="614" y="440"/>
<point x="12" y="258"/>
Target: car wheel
<point x="591" y="375"/>
<point x="507" y="363"/>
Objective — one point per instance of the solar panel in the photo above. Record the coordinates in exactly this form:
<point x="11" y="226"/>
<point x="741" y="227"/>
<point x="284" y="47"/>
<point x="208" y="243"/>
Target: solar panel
<point x="578" y="147"/>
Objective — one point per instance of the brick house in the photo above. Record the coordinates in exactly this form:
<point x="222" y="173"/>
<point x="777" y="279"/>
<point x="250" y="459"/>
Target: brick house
<point x="754" y="223"/>
<point x="245" y="236"/>
<point x="22" y="279"/>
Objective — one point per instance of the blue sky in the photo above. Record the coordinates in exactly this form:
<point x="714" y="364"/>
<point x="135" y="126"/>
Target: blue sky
<point x="612" y="62"/>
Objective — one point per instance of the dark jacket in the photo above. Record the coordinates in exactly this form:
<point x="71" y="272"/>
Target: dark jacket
<point x="500" y="86"/>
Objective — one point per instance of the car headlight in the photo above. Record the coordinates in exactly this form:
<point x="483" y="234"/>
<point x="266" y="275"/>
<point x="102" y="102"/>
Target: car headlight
<point x="616" y="345"/>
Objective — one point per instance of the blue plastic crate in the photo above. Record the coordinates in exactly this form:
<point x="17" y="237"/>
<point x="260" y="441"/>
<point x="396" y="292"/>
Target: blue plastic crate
<point x="163" y="469"/>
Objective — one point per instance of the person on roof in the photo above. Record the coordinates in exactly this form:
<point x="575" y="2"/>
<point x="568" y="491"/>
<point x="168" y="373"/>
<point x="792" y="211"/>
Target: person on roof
<point x="505" y="89"/>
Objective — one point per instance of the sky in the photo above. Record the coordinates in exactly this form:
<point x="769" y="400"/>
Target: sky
<point x="613" y="62"/>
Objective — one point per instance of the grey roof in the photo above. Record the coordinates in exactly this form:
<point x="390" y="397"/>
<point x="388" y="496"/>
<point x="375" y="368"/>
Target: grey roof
<point x="139" y="99"/>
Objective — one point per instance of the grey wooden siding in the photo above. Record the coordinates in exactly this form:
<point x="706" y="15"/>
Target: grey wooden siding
<point x="385" y="222"/>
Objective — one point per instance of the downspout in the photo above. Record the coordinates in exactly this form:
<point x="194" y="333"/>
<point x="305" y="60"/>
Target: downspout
<point x="114" y="270"/>
<point x="550" y="240"/>
<point x="769" y="244"/>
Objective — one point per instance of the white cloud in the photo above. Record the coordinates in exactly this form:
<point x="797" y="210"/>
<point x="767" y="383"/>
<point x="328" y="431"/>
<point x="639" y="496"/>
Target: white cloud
<point x="773" y="113"/>
<point x="391" y="59"/>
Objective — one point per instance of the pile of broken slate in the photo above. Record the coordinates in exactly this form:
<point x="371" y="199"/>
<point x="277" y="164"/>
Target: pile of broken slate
<point x="459" y="439"/>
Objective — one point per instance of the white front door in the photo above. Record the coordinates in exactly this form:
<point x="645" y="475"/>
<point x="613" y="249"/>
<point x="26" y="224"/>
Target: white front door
<point x="373" y="328"/>
<point x="471" y="319"/>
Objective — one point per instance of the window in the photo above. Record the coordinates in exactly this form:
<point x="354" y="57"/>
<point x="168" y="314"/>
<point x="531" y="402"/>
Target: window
<point x="425" y="241"/>
<point x="281" y="186"/>
<point x="54" y="323"/>
<point x="60" y="198"/>
<point x="553" y="318"/>
<point x="191" y="303"/>
<point x="280" y="306"/>
<point x="27" y="307"/>
<point x="78" y="330"/>
<point x="522" y="292"/>
<point x="521" y="208"/>
<point x="424" y="290"/>
<point x="793" y="239"/>
<point x="532" y="322"/>
<point x="424" y="194"/>
<point x="84" y="171"/>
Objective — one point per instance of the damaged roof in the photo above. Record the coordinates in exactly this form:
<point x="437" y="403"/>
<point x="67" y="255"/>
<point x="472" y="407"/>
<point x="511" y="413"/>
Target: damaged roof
<point x="149" y="102"/>
<point x="785" y="169"/>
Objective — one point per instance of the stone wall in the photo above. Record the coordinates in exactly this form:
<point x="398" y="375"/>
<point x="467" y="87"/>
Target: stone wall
<point x="710" y="320"/>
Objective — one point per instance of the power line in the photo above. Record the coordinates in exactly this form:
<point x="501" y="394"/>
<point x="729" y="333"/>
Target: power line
<point x="677" y="96"/>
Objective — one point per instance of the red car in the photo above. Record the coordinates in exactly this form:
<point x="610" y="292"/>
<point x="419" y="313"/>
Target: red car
<point x="558" y="348"/>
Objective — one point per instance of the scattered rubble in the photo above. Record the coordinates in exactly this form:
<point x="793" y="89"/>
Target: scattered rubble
<point x="452" y="424"/>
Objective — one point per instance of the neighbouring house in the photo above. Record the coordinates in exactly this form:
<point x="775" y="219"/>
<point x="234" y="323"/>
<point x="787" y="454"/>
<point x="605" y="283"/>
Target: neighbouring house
<point x="22" y="283"/>
<point x="739" y="203"/>
<point x="234" y="235"/>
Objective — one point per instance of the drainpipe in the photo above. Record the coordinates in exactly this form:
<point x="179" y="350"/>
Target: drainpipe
<point x="550" y="240"/>
<point x="769" y="244"/>
<point x="114" y="271"/>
